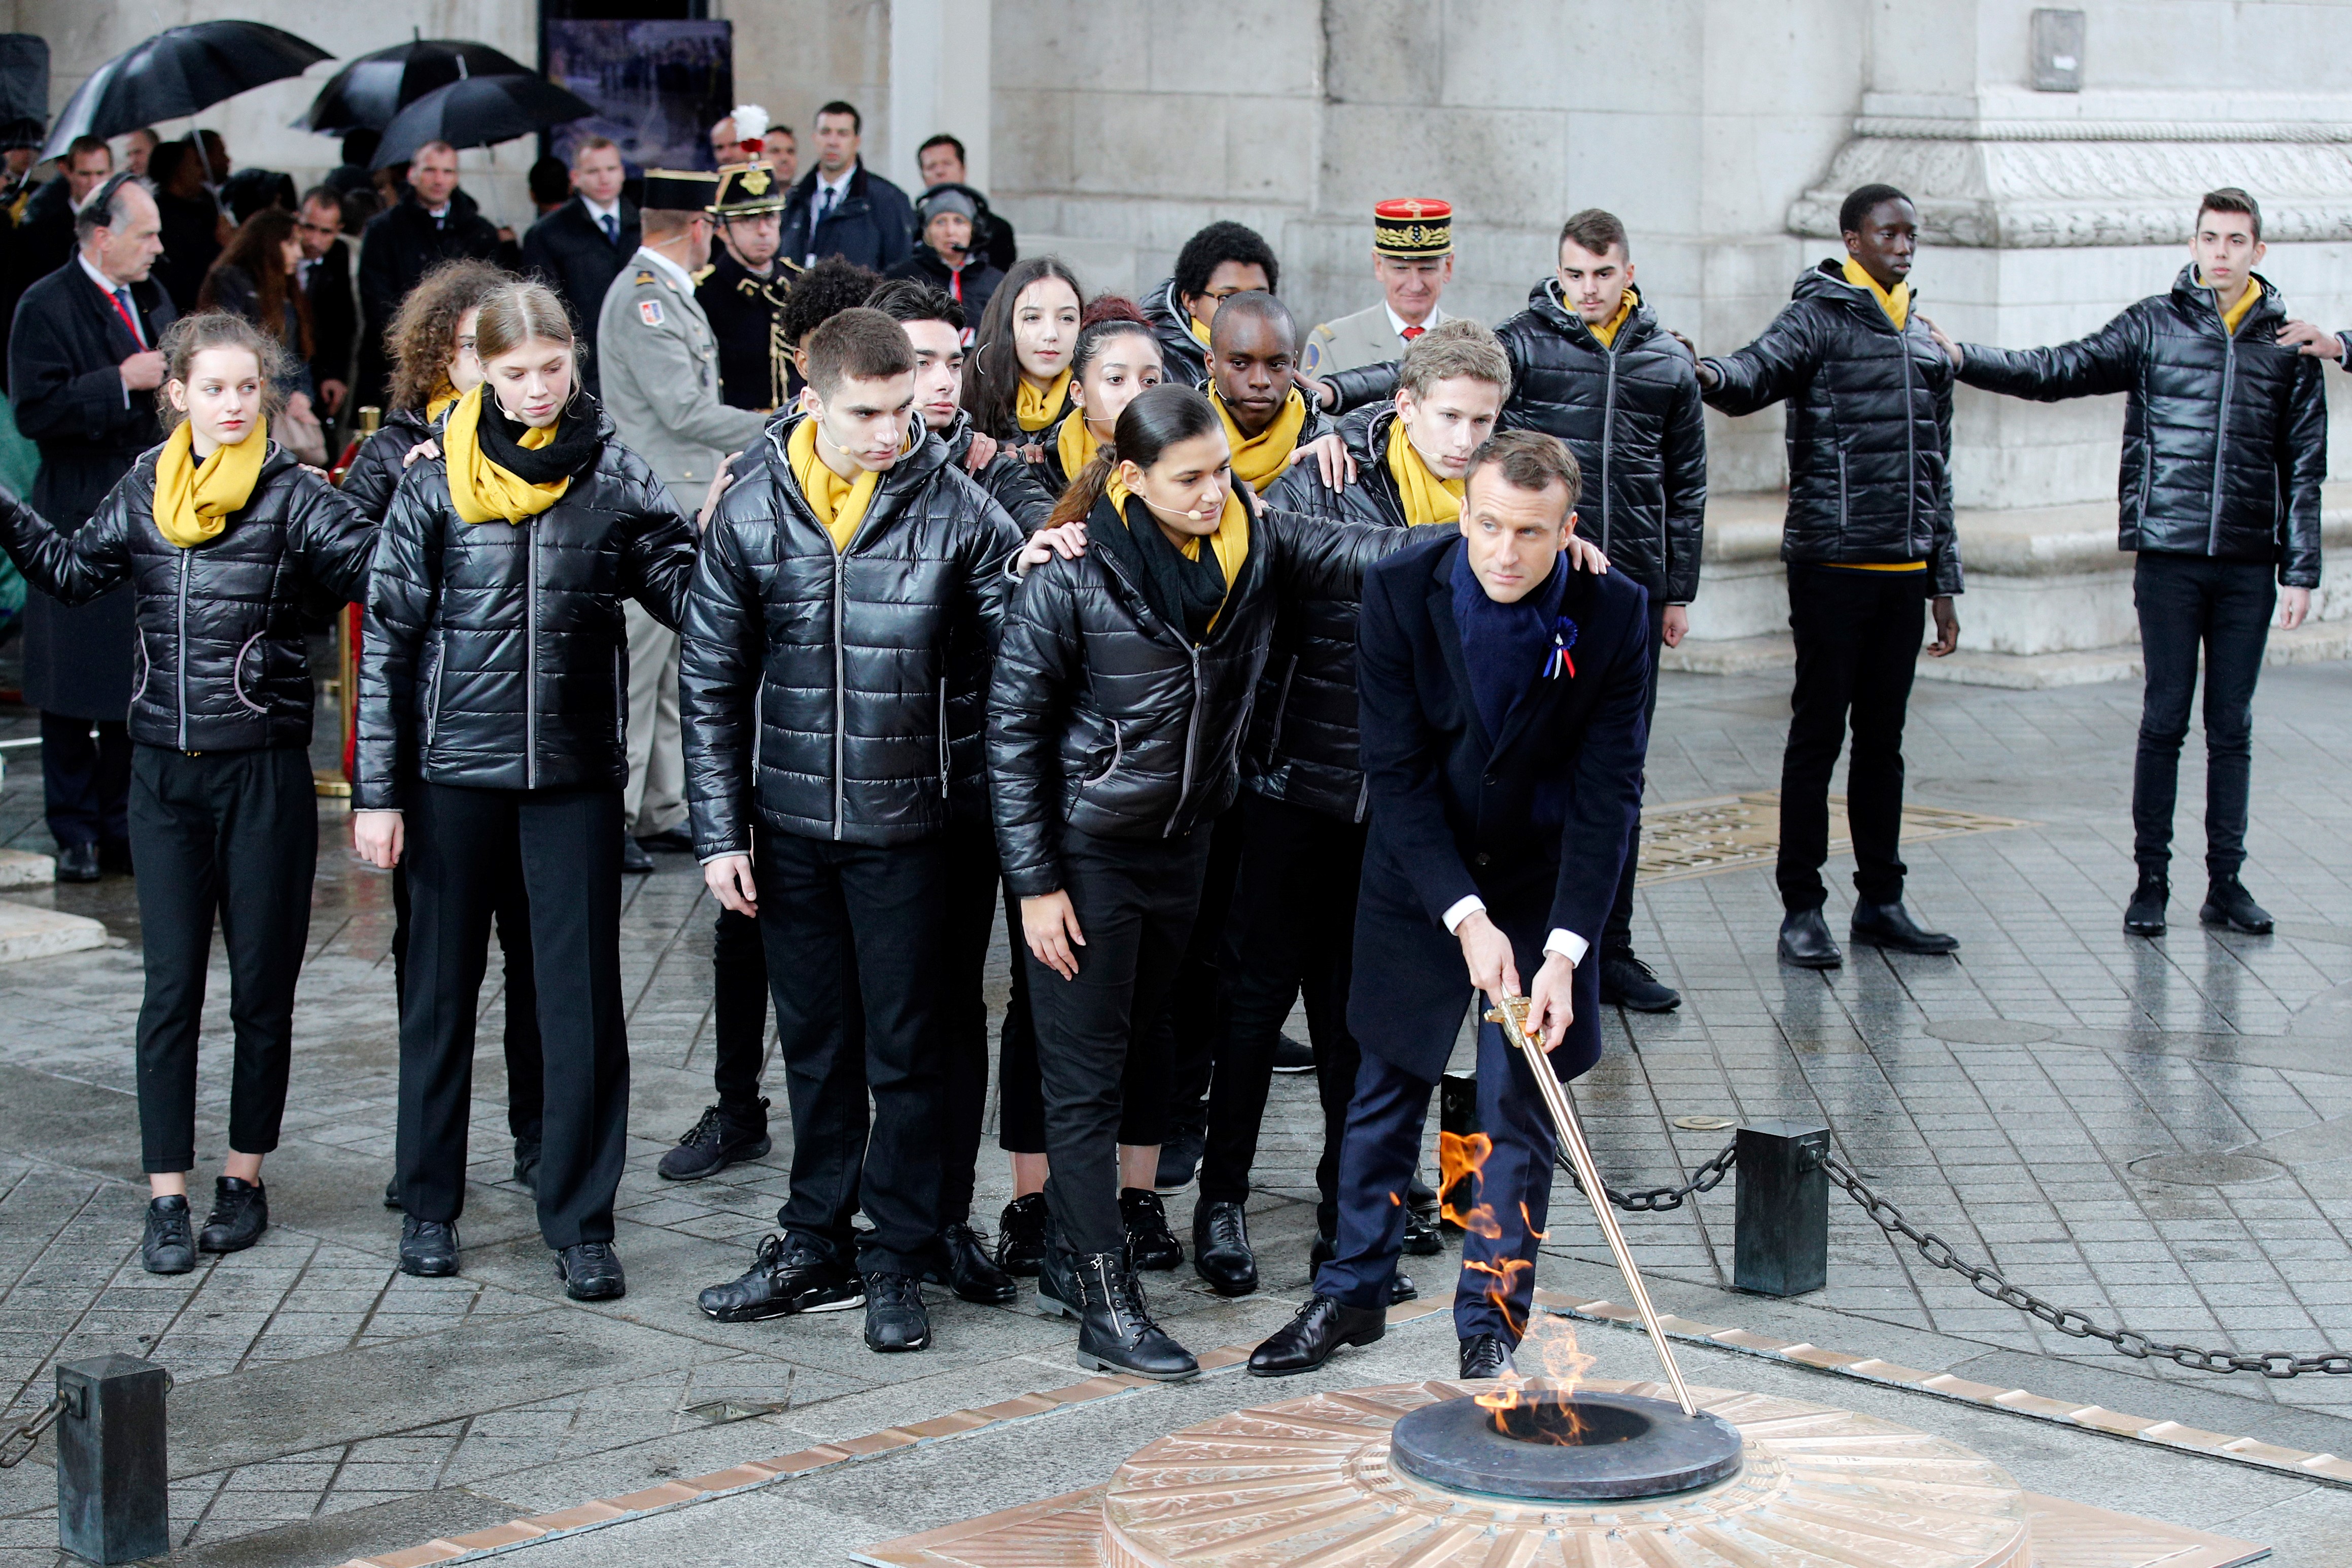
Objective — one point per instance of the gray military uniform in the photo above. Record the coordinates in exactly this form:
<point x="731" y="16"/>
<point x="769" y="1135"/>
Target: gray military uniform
<point x="660" y="380"/>
<point x="1354" y="341"/>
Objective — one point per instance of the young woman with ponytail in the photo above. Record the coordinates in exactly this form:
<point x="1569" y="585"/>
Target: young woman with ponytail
<point x="223" y="538"/>
<point x="1016" y="384"/>
<point x="493" y="710"/>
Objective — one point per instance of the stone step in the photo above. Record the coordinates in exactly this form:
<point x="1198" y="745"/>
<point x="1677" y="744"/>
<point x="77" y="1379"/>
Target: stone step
<point x="27" y="931"/>
<point x="2315" y="642"/>
<point x="23" y="868"/>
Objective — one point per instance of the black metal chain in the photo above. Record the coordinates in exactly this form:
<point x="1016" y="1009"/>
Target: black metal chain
<point x="2139" y="1346"/>
<point x="1662" y="1199"/>
<point x="20" y="1442"/>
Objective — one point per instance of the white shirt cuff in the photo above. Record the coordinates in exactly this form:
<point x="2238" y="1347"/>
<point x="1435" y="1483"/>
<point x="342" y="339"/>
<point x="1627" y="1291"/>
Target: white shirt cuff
<point x="1462" y="911"/>
<point x="1567" y="944"/>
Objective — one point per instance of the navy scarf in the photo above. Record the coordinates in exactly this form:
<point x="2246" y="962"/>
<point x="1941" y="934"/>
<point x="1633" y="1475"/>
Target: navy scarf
<point x="1507" y="646"/>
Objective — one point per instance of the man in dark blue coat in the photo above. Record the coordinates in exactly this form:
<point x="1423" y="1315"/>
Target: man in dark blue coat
<point x="1500" y="702"/>
<point x="842" y="208"/>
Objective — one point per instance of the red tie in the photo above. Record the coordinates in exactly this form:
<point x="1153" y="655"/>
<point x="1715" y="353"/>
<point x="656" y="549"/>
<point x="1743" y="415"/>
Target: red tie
<point x="1412" y="332"/>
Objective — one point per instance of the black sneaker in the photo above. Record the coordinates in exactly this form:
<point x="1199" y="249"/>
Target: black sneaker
<point x="1627" y="982"/>
<point x="1293" y="1056"/>
<point x="591" y="1271"/>
<point x="2144" y="916"/>
<point x="787" y="1277"/>
<point x="713" y="1144"/>
<point x="167" y="1248"/>
<point x="1180" y="1156"/>
<point x="1150" y="1243"/>
<point x="428" y="1248"/>
<point x="2227" y="903"/>
<point x="894" y="1317"/>
<point x="241" y="1214"/>
<point x="1021" y="1235"/>
<point x="969" y="1270"/>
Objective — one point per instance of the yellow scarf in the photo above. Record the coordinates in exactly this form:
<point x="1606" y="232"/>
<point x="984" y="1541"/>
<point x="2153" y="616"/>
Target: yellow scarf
<point x="194" y="500"/>
<point x="442" y="396"/>
<point x="1200" y="331"/>
<point x="1035" y="410"/>
<point x="1607" y="331"/>
<point x="480" y="490"/>
<point x="2236" y="313"/>
<point x="1427" y="498"/>
<point x="1230" y="539"/>
<point x="1897" y="302"/>
<point x="1076" y="445"/>
<point x="839" y="504"/>
<point x="1261" y="459"/>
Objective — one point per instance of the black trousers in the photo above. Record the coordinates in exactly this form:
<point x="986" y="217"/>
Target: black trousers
<point x="1292" y="925"/>
<point x="975" y="887"/>
<point x="86" y="781"/>
<point x="1858" y="636"/>
<point x="1190" y="1028"/>
<point x="2188" y="603"/>
<point x="461" y="844"/>
<point x="1617" y="932"/>
<point x="232" y="833"/>
<point x="856" y="941"/>
<point x="1135" y="901"/>
<point x="739" y="1018"/>
<point x="511" y="918"/>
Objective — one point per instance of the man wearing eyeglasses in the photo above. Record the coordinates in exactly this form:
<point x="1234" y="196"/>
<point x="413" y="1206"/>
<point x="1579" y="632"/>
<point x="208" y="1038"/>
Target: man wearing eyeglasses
<point x="325" y="275"/>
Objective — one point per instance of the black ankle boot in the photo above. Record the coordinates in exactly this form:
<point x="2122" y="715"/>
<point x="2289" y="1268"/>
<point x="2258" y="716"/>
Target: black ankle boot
<point x="1021" y="1235"/>
<point x="1891" y="927"/>
<point x="970" y="1271"/>
<point x="1148" y="1240"/>
<point x="2144" y="916"/>
<point x="1806" y="942"/>
<point x="2227" y="903"/>
<point x="1116" y="1332"/>
<point x="1057" y="1279"/>
<point x="1221" y="1248"/>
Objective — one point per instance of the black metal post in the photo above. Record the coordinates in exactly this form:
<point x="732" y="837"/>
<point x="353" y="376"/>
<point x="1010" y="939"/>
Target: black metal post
<point x="113" y="1496"/>
<point x="1782" y="1243"/>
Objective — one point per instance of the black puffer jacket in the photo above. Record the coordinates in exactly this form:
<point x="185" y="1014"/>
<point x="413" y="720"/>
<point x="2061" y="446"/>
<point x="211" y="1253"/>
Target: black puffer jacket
<point x="817" y="681"/>
<point x="1870" y="426"/>
<point x="1301" y="746"/>
<point x="2225" y="436"/>
<point x="495" y="655"/>
<point x="1182" y="356"/>
<point x="1631" y="412"/>
<point x="1104" y="719"/>
<point x="220" y="663"/>
<point x="376" y="467"/>
<point x="1016" y="485"/>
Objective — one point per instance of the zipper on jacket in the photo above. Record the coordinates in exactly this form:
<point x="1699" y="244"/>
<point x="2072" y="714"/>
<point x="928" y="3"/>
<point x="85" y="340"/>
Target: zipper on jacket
<point x="531" y="666"/>
<point x="1910" y="450"/>
<point x="1191" y="744"/>
<point x="182" y="674"/>
<point x="432" y="711"/>
<point x="840" y="703"/>
<point x="946" y="766"/>
<point x="2221" y="431"/>
<point x="1609" y="441"/>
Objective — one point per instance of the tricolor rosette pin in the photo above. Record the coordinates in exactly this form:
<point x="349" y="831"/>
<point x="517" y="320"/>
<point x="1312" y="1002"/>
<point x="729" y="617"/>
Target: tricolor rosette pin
<point x="1563" y="638"/>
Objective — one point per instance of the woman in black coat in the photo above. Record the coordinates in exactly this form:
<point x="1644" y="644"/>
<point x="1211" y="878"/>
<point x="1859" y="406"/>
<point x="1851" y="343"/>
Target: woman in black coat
<point x="224" y="539"/>
<point x="493" y="712"/>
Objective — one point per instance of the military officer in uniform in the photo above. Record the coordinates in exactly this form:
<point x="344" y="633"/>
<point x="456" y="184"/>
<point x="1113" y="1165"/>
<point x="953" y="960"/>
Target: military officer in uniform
<point x="660" y="385"/>
<point x="743" y="292"/>
<point x="1413" y="257"/>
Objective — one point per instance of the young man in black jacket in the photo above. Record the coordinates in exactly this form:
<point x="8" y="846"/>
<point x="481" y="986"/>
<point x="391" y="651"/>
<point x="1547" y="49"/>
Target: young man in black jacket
<point x="1869" y="546"/>
<point x="1221" y="261"/>
<point x="2225" y="443"/>
<point x="580" y="247"/>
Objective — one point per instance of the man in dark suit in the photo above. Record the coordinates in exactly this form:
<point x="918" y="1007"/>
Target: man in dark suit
<point x="1501" y="700"/>
<point x="581" y="246"/>
<point x="435" y="222"/>
<point x="842" y="208"/>
<point x="83" y="374"/>
<point x="326" y="279"/>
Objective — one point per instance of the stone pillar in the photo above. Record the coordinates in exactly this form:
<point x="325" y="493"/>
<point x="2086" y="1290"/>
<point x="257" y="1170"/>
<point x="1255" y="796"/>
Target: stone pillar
<point x="940" y="81"/>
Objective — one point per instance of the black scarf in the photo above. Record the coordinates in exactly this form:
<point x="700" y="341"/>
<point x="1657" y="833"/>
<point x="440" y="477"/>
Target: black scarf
<point x="1186" y="593"/>
<point x="575" y="448"/>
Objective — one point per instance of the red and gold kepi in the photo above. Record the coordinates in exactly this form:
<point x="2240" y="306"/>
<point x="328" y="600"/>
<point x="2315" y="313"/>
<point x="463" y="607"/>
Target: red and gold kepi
<point x="1414" y="227"/>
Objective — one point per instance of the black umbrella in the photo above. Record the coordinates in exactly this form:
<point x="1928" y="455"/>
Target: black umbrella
<point x="476" y="112"/>
<point x="367" y="93"/>
<point x="177" y="72"/>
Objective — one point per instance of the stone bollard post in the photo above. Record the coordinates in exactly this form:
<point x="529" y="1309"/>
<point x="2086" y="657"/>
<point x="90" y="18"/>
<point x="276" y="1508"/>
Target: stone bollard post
<point x="1781" y="1246"/>
<point x="113" y="1496"/>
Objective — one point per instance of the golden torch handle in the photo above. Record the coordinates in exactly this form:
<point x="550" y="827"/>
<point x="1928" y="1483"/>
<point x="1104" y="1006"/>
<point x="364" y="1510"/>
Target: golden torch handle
<point x="1513" y="1016"/>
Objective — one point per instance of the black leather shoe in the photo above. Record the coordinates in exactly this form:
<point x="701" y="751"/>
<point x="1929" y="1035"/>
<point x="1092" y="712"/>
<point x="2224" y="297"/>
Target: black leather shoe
<point x="1806" y="942"/>
<point x="668" y="842"/>
<point x="166" y="1248"/>
<point x="1890" y="926"/>
<point x="114" y="857"/>
<point x="1116" y="1332"/>
<point x="1485" y="1356"/>
<point x="970" y="1271"/>
<point x="1400" y="1285"/>
<point x="2143" y="915"/>
<point x="428" y="1248"/>
<point x="1221" y="1248"/>
<point x="787" y="1277"/>
<point x="1421" y="1237"/>
<point x="1420" y="1197"/>
<point x="634" y="861"/>
<point x="591" y="1271"/>
<point x="1293" y="1056"/>
<point x="1627" y="982"/>
<point x="526" y="1166"/>
<point x="1313" y="1335"/>
<point x="241" y="1214"/>
<point x="1058" y="1295"/>
<point x="1150" y="1243"/>
<point x="894" y="1317"/>
<point x="2229" y="904"/>
<point x="1021" y="1235"/>
<point x="1180" y="1156"/>
<point x="713" y="1144"/>
<point x="391" y="1195"/>
<point x="78" y="863"/>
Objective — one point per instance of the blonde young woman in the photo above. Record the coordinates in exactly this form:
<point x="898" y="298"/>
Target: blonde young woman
<point x="494" y="659"/>
<point x="223" y="538"/>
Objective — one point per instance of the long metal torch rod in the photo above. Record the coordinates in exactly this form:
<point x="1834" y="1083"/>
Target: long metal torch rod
<point x="1512" y="1016"/>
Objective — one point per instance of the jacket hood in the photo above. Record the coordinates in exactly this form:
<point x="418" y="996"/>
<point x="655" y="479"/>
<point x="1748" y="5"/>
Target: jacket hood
<point x="1827" y="282"/>
<point x="2194" y="300"/>
<point x="1546" y="302"/>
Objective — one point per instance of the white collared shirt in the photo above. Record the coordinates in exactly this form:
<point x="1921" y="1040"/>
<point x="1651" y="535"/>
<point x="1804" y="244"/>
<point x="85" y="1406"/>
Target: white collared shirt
<point x="674" y="273"/>
<point x="138" y="327"/>
<point x="1397" y="324"/>
<point x="827" y="197"/>
<point x="597" y="214"/>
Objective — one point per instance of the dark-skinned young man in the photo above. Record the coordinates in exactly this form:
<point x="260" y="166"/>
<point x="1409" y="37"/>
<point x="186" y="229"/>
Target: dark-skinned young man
<point x="1221" y="261"/>
<point x="1869" y="547"/>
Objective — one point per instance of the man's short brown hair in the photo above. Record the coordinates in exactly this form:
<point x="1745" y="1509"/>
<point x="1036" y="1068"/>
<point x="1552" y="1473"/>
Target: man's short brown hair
<point x="1528" y="460"/>
<point x="1451" y="349"/>
<point x="588" y="144"/>
<point x="1594" y="231"/>
<point x="2229" y="199"/>
<point x="857" y="345"/>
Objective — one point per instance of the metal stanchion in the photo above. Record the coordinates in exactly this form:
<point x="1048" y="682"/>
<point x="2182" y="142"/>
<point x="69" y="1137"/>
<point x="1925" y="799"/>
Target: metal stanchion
<point x="113" y="1481"/>
<point x="1781" y="1246"/>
